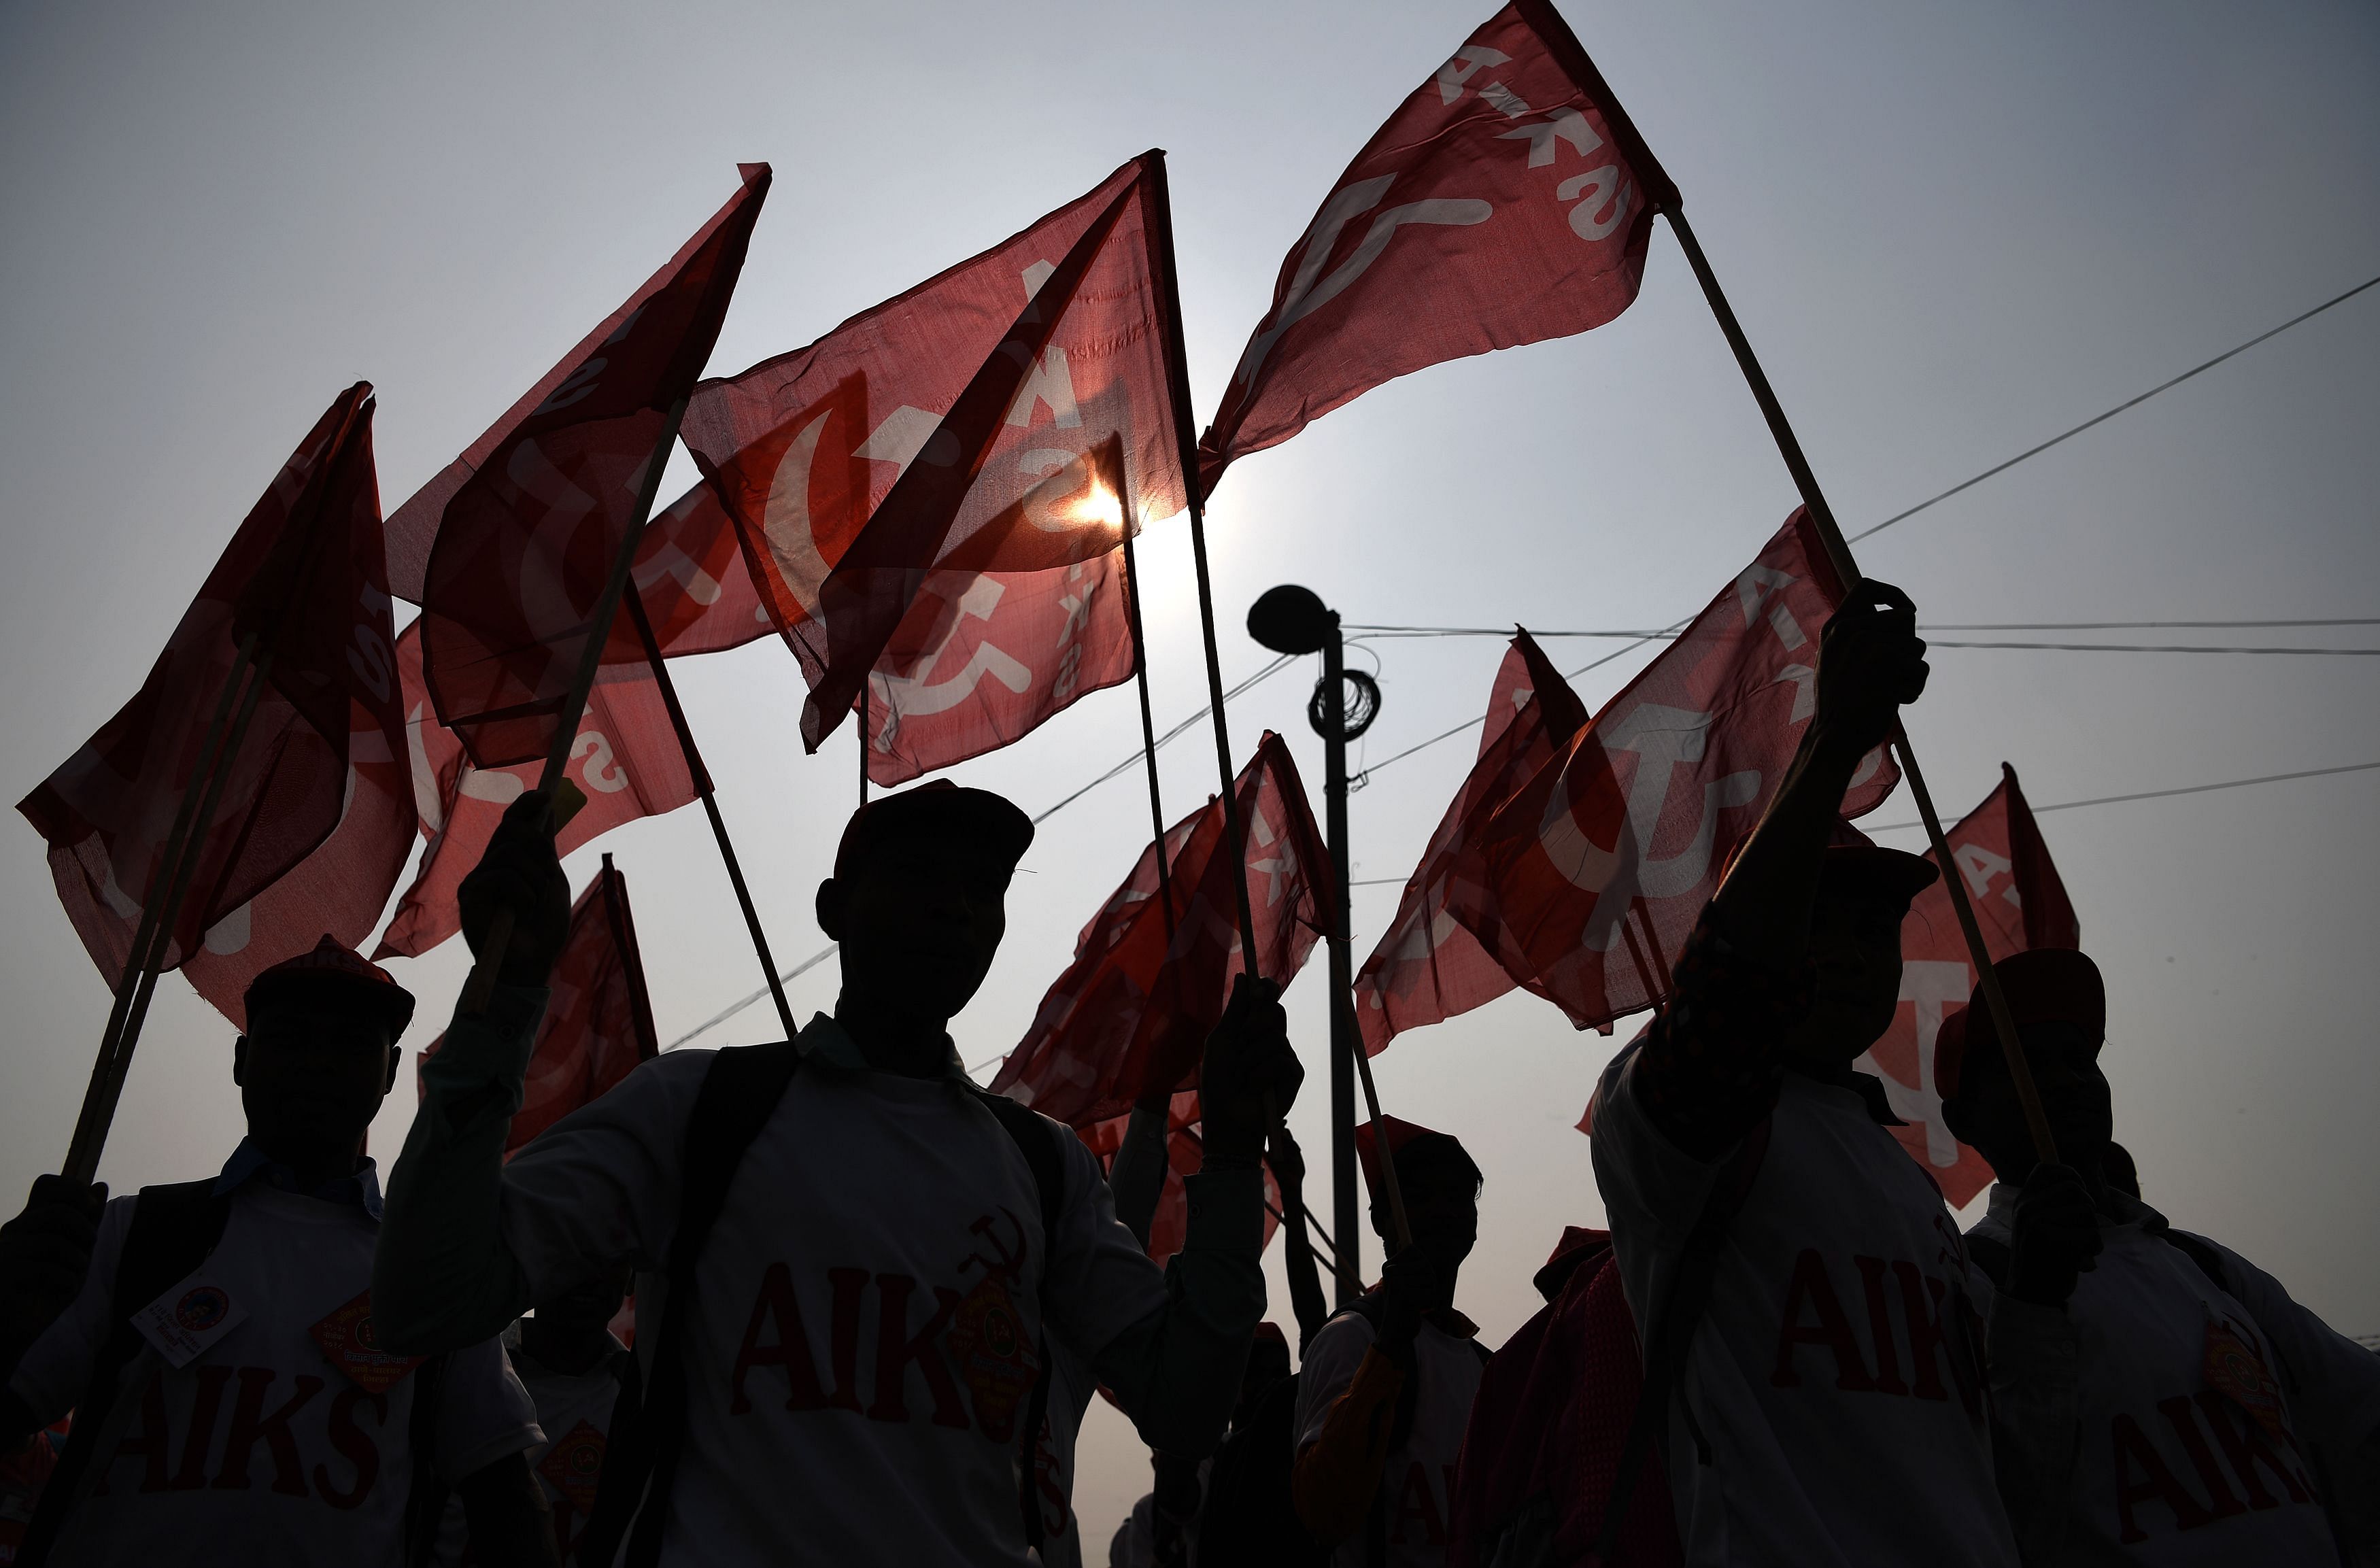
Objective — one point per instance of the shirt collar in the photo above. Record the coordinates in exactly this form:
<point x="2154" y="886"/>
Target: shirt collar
<point x="248" y="1161"/>
<point x="1867" y="1086"/>
<point x="823" y="1039"/>
<point x="2120" y="1208"/>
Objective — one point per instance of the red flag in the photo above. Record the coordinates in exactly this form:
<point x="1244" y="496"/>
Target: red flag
<point x="1427" y="967"/>
<point x="537" y="513"/>
<point x="1131" y="1013"/>
<point x="2021" y="903"/>
<point x="697" y="589"/>
<point x="1185" y="1153"/>
<point x="1507" y="201"/>
<point x="1003" y="417"/>
<point x="599" y="1023"/>
<point x="1590" y="877"/>
<point x="983" y="658"/>
<point x="626" y="761"/>
<point x="306" y="576"/>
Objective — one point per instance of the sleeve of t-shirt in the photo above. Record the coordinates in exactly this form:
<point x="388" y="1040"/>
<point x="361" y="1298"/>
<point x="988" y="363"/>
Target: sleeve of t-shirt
<point x="1329" y="1367"/>
<point x="2334" y="1383"/>
<point x="484" y="1414"/>
<point x="600" y="1187"/>
<point x="1100" y="1282"/>
<point x="56" y="1367"/>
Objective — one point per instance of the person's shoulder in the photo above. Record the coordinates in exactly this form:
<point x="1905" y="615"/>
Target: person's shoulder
<point x="1348" y="1331"/>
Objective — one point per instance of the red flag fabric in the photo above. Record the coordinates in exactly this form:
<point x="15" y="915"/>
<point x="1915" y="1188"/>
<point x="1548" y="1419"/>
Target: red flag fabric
<point x="1005" y="416"/>
<point x="523" y="545"/>
<point x="697" y="591"/>
<point x="1507" y="201"/>
<point x="982" y="658"/>
<point x="1185" y="1153"/>
<point x="306" y="576"/>
<point x="2020" y="904"/>
<point x="1428" y="968"/>
<point x="626" y="760"/>
<point x="1131" y="1013"/>
<point x="1590" y="876"/>
<point x="598" y="1026"/>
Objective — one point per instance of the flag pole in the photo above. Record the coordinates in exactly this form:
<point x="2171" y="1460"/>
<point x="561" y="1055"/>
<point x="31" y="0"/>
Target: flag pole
<point x="1840" y="554"/>
<point x="499" y="937"/>
<point x="635" y="601"/>
<point x="1148" y="755"/>
<point x="866" y="689"/>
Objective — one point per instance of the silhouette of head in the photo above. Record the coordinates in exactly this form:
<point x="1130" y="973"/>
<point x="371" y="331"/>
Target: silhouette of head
<point x="918" y="897"/>
<point x="1439" y="1182"/>
<point x="2059" y="1004"/>
<point x="320" y="1053"/>
<point x="1864" y="893"/>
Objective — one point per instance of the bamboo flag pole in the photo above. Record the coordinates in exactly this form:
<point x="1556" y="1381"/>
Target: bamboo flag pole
<point x="636" y="605"/>
<point x="1839" y="550"/>
<point x="482" y="983"/>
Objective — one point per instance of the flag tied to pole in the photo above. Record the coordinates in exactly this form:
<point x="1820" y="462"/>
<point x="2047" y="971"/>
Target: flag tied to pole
<point x="306" y="576"/>
<point x="1588" y="879"/>
<point x="523" y="529"/>
<point x="2020" y="904"/>
<point x="1129" y="1016"/>
<point x="626" y="760"/>
<point x="1428" y="968"/>
<point x="1014" y="414"/>
<point x="598" y="1026"/>
<point x="1507" y="201"/>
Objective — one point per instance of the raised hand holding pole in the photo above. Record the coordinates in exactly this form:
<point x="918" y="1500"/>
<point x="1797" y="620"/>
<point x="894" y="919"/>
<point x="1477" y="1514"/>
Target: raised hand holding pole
<point x="1838" y="550"/>
<point x="491" y="960"/>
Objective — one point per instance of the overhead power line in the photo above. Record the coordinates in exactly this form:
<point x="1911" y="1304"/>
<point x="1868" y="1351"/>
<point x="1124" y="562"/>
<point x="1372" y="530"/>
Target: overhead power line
<point x="2103" y="419"/>
<point x="1378" y="633"/>
<point x="2162" y="794"/>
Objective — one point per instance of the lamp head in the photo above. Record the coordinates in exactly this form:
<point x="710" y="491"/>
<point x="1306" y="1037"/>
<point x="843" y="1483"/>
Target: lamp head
<point x="1290" y="619"/>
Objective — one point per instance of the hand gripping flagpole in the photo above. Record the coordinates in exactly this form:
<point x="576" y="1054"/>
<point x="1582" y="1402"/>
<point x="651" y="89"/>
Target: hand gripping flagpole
<point x="636" y="605"/>
<point x="1840" y="554"/>
<point x="499" y="938"/>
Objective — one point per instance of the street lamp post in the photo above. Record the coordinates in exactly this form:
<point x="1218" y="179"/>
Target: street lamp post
<point x="1290" y="619"/>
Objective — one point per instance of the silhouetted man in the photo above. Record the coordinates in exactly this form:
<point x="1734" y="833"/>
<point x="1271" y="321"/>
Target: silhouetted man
<point x="567" y="1357"/>
<point x="1829" y="1407"/>
<point x="232" y="1403"/>
<point x="2206" y="1418"/>
<point x="1387" y="1387"/>
<point x="846" y="1370"/>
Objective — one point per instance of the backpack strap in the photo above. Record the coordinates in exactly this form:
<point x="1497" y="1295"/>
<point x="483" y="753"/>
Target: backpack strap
<point x="1673" y="1327"/>
<point x="426" y="1492"/>
<point x="740" y="1092"/>
<point x="1035" y="1140"/>
<point x="174" y="1229"/>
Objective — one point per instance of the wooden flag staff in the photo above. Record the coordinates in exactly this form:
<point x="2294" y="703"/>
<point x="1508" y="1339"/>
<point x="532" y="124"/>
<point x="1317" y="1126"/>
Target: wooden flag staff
<point x="636" y="605"/>
<point x="1840" y="554"/>
<point x="499" y="938"/>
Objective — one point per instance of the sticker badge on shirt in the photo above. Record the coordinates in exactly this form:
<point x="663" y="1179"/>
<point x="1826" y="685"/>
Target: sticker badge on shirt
<point x="574" y="1464"/>
<point x="995" y="1359"/>
<point x="189" y="1318"/>
<point x="2236" y="1369"/>
<point x="347" y="1339"/>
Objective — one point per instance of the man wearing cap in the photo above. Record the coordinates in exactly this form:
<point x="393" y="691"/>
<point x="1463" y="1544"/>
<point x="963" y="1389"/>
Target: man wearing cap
<point x="1823" y="1403"/>
<point x="1387" y="1387"/>
<point x="232" y="1401"/>
<point x="2207" y="1419"/>
<point x="858" y="1329"/>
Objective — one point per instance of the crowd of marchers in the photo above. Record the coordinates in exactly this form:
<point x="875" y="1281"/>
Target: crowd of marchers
<point x="873" y="1301"/>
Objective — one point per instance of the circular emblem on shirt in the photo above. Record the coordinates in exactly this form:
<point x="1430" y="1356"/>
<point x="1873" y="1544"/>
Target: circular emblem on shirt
<point x="200" y="1308"/>
<point x="364" y="1337"/>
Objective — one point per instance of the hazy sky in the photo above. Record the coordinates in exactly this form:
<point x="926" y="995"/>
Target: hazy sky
<point x="1951" y="230"/>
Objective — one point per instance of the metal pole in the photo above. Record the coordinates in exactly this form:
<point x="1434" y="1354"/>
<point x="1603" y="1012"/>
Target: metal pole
<point x="1346" y="1217"/>
<point x="635" y="602"/>
<point x="1838" y="550"/>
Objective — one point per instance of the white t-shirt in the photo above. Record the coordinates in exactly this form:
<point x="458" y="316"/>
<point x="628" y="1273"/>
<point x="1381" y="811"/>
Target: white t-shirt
<point x="573" y="1411"/>
<point x="1419" y="1477"/>
<point x="868" y="1302"/>
<point x="262" y="1450"/>
<point x="1837" y="1371"/>
<point x="1072" y="1388"/>
<point x="2170" y="1471"/>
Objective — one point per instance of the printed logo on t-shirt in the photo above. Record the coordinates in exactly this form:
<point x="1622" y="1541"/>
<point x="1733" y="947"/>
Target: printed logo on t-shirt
<point x="2236" y="1368"/>
<point x="1935" y="1320"/>
<point x="347" y="1337"/>
<point x="573" y="1465"/>
<point x="2169" y="1478"/>
<point x="189" y="1318"/>
<point x="981" y="1335"/>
